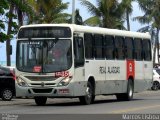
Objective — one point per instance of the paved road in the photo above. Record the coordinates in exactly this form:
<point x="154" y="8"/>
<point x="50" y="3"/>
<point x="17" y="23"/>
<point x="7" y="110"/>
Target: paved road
<point x="145" y="102"/>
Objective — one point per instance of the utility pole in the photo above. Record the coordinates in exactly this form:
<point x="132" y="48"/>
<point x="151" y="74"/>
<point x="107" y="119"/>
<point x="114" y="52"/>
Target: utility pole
<point x="73" y="11"/>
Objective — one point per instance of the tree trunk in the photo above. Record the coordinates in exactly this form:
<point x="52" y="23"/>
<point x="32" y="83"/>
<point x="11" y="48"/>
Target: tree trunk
<point x="8" y="33"/>
<point x="157" y="41"/>
<point x="154" y="48"/>
<point x="128" y="22"/>
<point x="20" y="17"/>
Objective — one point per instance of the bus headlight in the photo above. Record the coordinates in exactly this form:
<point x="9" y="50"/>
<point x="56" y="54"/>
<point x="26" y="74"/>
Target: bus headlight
<point x="21" y="82"/>
<point x="65" y="81"/>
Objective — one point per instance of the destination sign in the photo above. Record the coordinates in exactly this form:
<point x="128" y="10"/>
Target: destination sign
<point x="44" y="32"/>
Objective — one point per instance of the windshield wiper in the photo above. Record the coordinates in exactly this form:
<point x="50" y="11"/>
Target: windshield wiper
<point x="53" y="43"/>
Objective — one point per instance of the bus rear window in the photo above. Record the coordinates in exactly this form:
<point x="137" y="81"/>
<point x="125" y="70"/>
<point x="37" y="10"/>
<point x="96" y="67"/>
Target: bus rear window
<point x="45" y="32"/>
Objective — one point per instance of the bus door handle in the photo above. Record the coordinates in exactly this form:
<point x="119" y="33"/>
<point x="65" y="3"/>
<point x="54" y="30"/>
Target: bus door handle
<point x="87" y="61"/>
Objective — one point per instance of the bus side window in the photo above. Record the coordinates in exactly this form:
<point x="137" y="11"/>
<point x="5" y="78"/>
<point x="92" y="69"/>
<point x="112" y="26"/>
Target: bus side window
<point x="119" y="48"/>
<point x="129" y="48"/>
<point x="147" y="50"/>
<point x="98" y="46"/>
<point x="78" y="51"/>
<point x="89" y="45"/>
<point x="109" y="47"/>
<point x="138" y="53"/>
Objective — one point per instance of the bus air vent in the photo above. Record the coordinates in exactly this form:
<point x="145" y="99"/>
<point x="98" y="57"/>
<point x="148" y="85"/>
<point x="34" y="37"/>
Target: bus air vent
<point x="49" y="90"/>
<point x="41" y="78"/>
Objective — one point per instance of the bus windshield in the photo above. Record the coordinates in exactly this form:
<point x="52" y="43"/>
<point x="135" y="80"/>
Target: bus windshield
<point x="44" y="55"/>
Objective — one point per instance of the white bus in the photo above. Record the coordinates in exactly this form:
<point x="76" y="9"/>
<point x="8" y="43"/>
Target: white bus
<point x="69" y="61"/>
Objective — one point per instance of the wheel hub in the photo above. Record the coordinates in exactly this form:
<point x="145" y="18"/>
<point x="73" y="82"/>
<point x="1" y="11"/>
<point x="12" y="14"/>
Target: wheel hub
<point x="7" y="94"/>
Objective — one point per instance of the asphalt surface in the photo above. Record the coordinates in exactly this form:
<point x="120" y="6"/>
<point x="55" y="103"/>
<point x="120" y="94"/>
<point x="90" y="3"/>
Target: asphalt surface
<point x="145" y="102"/>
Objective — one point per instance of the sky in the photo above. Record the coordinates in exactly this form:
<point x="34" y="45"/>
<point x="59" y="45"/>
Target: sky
<point x="83" y="12"/>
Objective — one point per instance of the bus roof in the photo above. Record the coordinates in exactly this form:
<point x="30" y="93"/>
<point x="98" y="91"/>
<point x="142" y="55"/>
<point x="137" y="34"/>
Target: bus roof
<point x="96" y="30"/>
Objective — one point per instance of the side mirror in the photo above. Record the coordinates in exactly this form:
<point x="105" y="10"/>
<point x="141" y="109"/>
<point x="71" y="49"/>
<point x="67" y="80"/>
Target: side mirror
<point x="10" y="52"/>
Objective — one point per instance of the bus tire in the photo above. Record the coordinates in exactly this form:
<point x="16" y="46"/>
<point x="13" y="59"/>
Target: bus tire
<point x="40" y="101"/>
<point x="129" y="94"/>
<point x="89" y="97"/>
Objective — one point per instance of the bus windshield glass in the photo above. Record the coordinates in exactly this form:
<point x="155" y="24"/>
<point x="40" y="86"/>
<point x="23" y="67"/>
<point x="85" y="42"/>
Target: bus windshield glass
<point x="44" y="56"/>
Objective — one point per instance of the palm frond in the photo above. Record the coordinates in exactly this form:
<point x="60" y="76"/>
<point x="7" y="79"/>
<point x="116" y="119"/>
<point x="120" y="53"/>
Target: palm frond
<point x="142" y="19"/>
<point x="61" y="18"/>
<point x="93" y="21"/>
<point x="119" y="25"/>
<point x="144" y="29"/>
<point x="90" y="7"/>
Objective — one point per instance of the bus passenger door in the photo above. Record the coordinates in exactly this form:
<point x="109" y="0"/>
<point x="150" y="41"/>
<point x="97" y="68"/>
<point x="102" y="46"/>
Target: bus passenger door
<point x="79" y="66"/>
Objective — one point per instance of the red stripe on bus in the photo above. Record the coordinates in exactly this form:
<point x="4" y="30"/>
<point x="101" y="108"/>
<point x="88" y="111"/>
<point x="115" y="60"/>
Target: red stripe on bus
<point x="130" y="69"/>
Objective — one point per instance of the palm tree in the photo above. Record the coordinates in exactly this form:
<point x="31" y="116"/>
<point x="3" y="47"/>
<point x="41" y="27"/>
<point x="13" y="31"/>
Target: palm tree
<point x="151" y="16"/>
<point x="108" y="13"/>
<point x="44" y="11"/>
<point x="127" y="7"/>
<point x="16" y="8"/>
<point x="49" y="11"/>
<point x="23" y="9"/>
<point x="3" y="7"/>
<point x="9" y="32"/>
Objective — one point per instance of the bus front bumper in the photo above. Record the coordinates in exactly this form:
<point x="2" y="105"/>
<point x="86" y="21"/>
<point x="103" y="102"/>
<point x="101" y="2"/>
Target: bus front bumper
<point x="71" y="90"/>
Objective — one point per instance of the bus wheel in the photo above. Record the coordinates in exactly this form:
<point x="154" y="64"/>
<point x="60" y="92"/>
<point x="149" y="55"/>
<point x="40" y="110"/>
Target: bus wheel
<point x="129" y="95"/>
<point x="89" y="97"/>
<point x="40" y="101"/>
<point x="7" y="94"/>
